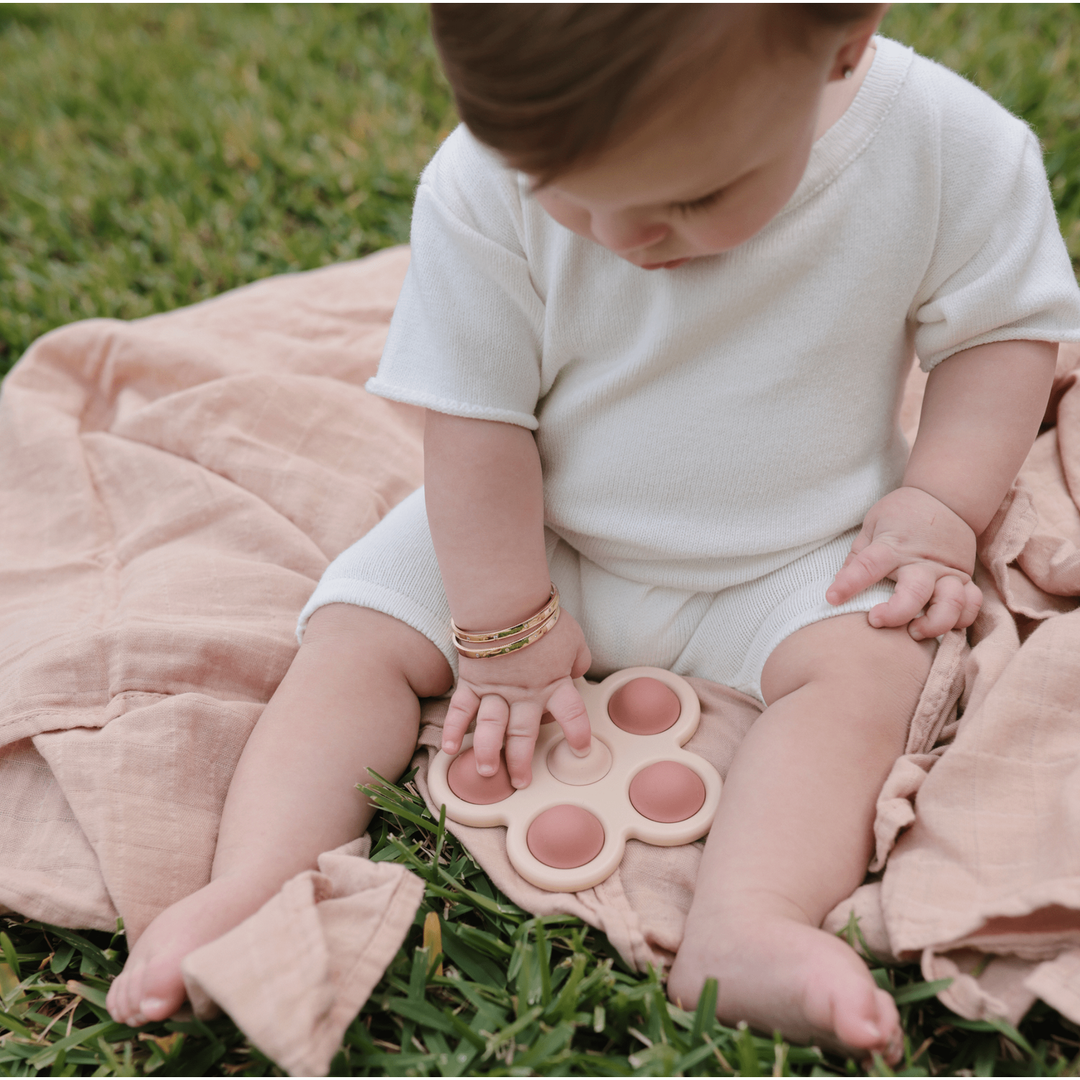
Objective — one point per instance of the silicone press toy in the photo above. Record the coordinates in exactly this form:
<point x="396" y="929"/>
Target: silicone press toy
<point x="568" y="828"/>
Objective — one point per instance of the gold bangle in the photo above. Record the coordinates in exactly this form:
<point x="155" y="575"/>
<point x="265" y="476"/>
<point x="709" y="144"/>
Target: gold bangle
<point x="510" y="646"/>
<point x="478" y="636"/>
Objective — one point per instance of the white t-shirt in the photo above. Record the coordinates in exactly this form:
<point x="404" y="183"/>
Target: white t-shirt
<point x="702" y="426"/>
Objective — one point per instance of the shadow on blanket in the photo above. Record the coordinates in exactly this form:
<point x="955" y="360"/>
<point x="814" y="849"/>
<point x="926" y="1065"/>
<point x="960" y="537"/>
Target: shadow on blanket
<point x="171" y="490"/>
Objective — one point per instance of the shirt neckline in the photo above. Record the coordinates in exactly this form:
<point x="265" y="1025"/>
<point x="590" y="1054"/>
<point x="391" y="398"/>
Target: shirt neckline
<point x="862" y="119"/>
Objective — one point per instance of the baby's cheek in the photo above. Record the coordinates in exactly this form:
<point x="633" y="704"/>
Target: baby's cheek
<point x="566" y="214"/>
<point x="726" y="232"/>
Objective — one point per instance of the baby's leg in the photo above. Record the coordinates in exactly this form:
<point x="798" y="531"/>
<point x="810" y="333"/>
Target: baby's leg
<point x="793" y="837"/>
<point x="347" y="703"/>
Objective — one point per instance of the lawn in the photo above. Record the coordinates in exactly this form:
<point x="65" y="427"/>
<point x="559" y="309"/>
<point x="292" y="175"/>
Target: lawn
<point x="155" y="156"/>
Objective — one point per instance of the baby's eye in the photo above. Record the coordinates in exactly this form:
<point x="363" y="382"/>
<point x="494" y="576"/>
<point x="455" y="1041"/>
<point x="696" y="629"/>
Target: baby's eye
<point x="696" y="205"/>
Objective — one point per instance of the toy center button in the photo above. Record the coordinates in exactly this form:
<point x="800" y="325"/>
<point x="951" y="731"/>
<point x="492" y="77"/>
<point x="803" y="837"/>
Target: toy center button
<point x="644" y="706"/>
<point x="565" y="837"/>
<point x="667" y="791"/>
<point x="564" y="765"/>
<point x="469" y="786"/>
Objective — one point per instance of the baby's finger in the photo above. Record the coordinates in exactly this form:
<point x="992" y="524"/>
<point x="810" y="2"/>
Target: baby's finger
<point x="491" y="720"/>
<point x="943" y="612"/>
<point x="914" y="587"/>
<point x="860" y="543"/>
<point x="872" y="564"/>
<point x="582" y="662"/>
<point x="973" y="599"/>
<point x="459" y="716"/>
<point x="521" y="740"/>
<point x="570" y="712"/>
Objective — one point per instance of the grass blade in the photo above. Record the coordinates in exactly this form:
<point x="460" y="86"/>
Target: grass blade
<point x="705" y="1013"/>
<point x="89" y="993"/>
<point x="905" y="995"/>
<point x="10" y="955"/>
<point x="747" y="1051"/>
<point x="433" y="944"/>
<point x="544" y="962"/>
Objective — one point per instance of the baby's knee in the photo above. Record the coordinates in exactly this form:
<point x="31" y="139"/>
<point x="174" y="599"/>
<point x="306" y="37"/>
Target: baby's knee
<point x="362" y="637"/>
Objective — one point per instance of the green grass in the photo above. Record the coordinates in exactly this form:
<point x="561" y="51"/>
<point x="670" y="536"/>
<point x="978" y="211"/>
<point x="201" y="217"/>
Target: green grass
<point x="154" y="156"/>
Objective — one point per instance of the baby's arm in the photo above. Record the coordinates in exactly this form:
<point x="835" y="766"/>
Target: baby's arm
<point x="485" y="505"/>
<point x="980" y="415"/>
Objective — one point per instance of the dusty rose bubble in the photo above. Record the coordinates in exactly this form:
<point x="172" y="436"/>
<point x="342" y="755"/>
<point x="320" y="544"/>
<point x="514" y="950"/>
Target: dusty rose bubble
<point x="469" y="786"/>
<point x="565" y="837"/>
<point x="644" y="707"/>
<point x="667" y="791"/>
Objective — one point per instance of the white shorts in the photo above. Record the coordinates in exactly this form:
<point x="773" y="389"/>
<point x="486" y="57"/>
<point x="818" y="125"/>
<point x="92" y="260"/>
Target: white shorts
<point x="725" y="636"/>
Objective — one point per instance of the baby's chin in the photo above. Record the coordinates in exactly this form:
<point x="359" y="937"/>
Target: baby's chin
<point x="671" y="264"/>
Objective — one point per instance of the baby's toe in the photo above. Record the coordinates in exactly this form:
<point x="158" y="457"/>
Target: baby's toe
<point x="162" y="990"/>
<point x="112" y="999"/>
<point x="123" y="996"/>
<point x="865" y="1018"/>
<point x="889" y="1022"/>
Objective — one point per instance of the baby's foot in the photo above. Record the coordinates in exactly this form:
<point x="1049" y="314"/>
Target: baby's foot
<point x="151" y="986"/>
<point x="778" y="974"/>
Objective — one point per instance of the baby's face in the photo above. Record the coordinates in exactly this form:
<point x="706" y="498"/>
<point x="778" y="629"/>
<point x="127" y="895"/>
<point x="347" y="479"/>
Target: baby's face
<point x="704" y="176"/>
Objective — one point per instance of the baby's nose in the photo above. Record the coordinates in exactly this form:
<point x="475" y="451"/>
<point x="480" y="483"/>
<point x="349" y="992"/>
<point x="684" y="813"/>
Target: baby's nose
<point x="621" y="233"/>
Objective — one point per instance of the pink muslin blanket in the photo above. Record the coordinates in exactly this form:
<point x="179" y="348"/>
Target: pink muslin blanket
<point x="170" y="491"/>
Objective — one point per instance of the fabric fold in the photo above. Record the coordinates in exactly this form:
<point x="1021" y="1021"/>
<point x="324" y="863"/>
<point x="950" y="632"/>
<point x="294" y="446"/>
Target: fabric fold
<point x="295" y="974"/>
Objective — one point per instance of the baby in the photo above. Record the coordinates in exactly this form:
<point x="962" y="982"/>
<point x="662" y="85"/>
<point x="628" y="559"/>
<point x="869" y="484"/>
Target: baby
<point x="667" y="281"/>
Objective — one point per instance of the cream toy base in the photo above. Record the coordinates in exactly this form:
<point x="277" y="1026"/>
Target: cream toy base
<point x="567" y="830"/>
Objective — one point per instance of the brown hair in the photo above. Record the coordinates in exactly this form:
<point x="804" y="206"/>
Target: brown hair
<point x="551" y="85"/>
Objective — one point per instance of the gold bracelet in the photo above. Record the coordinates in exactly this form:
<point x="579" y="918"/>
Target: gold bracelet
<point x="478" y="636"/>
<point x="509" y="646"/>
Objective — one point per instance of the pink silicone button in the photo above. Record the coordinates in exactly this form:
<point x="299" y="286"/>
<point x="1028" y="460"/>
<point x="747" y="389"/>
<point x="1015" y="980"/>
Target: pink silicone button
<point x="565" y="837"/>
<point x="469" y="786"/>
<point x="667" y="791"/>
<point x="644" y="706"/>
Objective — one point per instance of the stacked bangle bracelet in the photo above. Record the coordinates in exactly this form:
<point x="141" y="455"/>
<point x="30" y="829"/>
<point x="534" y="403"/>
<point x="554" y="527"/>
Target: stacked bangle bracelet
<point x="512" y="638"/>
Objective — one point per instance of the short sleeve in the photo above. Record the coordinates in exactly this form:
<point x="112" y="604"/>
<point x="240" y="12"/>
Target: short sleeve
<point x="467" y="331"/>
<point x="1000" y="270"/>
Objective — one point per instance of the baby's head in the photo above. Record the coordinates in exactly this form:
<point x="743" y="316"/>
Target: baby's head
<point x="661" y="131"/>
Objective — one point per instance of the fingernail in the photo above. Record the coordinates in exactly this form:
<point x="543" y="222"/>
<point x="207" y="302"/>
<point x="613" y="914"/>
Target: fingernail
<point x="486" y="770"/>
<point x="915" y="635"/>
<point x="135" y="1021"/>
<point x="581" y="753"/>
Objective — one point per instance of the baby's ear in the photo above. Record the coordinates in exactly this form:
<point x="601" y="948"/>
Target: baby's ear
<point x="855" y="38"/>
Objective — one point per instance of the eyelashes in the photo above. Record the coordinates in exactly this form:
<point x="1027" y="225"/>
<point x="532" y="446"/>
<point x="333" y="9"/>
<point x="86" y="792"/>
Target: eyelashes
<point x="697" y="205"/>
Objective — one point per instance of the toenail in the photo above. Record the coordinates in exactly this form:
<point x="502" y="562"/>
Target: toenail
<point x="152" y="1004"/>
<point x="135" y="1021"/>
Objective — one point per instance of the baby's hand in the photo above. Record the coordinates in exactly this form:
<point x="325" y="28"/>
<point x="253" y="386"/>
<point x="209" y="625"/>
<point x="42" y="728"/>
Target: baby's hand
<point x="928" y="550"/>
<point x="509" y="694"/>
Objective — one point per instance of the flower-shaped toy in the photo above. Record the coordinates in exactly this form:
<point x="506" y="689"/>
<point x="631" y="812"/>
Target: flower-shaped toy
<point x="567" y="830"/>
